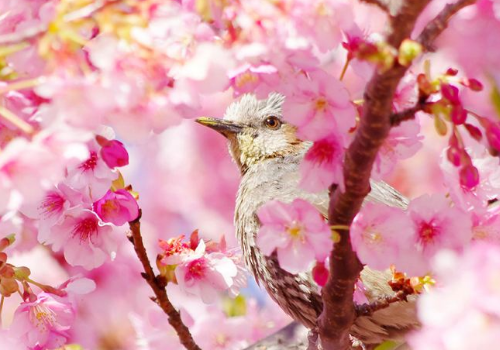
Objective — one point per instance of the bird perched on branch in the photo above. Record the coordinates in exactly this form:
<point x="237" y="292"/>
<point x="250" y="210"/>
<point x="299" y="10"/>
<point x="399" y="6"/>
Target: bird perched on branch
<point x="268" y="153"/>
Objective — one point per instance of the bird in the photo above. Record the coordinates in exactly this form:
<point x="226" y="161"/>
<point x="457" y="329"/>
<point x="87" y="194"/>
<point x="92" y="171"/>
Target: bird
<point x="268" y="153"/>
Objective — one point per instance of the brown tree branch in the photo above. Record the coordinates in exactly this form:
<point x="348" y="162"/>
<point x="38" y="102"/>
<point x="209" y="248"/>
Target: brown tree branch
<point x="379" y="3"/>
<point x="407" y="114"/>
<point x="158" y="287"/>
<point x="339" y="311"/>
<point x="440" y="23"/>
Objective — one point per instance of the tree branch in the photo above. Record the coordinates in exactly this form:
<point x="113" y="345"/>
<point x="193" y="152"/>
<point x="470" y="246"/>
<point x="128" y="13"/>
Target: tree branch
<point x="338" y="311"/>
<point x="158" y="287"/>
<point x="379" y="3"/>
<point x="369" y="309"/>
<point x="440" y="23"/>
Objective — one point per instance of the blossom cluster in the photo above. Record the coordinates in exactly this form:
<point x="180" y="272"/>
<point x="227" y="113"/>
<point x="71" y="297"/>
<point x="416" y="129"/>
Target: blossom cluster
<point x="201" y="269"/>
<point x="77" y="75"/>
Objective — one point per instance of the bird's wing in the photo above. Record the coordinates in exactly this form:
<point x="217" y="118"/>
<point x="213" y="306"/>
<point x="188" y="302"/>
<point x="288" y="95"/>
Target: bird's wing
<point x="381" y="192"/>
<point x="396" y="320"/>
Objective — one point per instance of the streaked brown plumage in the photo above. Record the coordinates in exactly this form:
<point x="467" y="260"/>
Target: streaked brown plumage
<point x="269" y="158"/>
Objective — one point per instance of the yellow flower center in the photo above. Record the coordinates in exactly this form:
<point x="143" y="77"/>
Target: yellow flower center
<point x="321" y="104"/>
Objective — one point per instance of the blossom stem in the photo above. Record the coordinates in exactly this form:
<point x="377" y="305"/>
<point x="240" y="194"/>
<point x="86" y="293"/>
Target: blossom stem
<point x="22" y="84"/>
<point x="14" y="119"/>
<point x="10" y="49"/>
<point x="158" y="287"/>
<point x="344" y="69"/>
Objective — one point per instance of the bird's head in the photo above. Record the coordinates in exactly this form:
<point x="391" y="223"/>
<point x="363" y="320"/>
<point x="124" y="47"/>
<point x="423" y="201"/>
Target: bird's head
<point x="256" y="130"/>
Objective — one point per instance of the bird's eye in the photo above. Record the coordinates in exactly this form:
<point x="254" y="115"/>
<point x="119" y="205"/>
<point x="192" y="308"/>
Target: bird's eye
<point x="272" y="123"/>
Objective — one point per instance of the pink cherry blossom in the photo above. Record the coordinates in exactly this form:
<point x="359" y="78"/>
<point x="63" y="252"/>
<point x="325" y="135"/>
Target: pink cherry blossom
<point x="92" y="176"/>
<point x="43" y="323"/>
<point x="84" y="239"/>
<point x="205" y="275"/>
<point x="297" y="231"/>
<point x="437" y="225"/>
<point x="487" y="226"/>
<point x="381" y="236"/>
<point x="260" y="80"/>
<point x="402" y="143"/>
<point x="320" y="106"/>
<point x="117" y="207"/>
<point x="467" y="297"/>
<point x="322" y="164"/>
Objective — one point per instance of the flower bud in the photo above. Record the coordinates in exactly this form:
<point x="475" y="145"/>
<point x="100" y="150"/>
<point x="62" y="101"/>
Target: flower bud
<point x="493" y="135"/>
<point x="450" y="93"/>
<point x="113" y="152"/>
<point x="22" y="272"/>
<point x="474" y="132"/>
<point x="320" y="273"/>
<point x="8" y="286"/>
<point x="408" y="51"/>
<point x="458" y="115"/>
<point x="469" y="176"/>
<point x="473" y="84"/>
<point x="454" y="155"/>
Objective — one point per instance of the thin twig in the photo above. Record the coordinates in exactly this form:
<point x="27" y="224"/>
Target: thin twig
<point x="440" y="23"/>
<point x="407" y="114"/>
<point x="158" y="287"/>
<point x="383" y="303"/>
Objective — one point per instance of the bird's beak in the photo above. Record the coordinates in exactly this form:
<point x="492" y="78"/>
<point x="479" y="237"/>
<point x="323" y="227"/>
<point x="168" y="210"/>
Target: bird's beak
<point x="225" y="127"/>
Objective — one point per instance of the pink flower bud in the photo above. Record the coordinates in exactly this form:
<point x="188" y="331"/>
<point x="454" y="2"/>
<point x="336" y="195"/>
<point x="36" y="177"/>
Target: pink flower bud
<point x="473" y="84"/>
<point x="469" y="176"/>
<point x="117" y="207"/>
<point x="450" y="93"/>
<point x="320" y="273"/>
<point x="474" y="132"/>
<point x="452" y="72"/>
<point x="458" y="115"/>
<point x="493" y="135"/>
<point x="113" y="152"/>
<point x="454" y="155"/>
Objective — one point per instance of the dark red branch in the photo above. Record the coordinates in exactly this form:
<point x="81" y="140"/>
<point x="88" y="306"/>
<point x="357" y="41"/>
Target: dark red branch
<point x="158" y="287"/>
<point x="339" y="311"/>
<point x="440" y="23"/>
<point x="407" y="114"/>
<point x="369" y="309"/>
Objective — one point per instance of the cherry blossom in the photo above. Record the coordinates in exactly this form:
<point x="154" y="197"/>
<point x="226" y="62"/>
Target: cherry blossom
<point x="117" y="207"/>
<point x="92" y="176"/>
<point x="467" y="299"/>
<point x="43" y="323"/>
<point x="205" y="275"/>
<point x="319" y="107"/>
<point x="297" y="231"/>
<point x="381" y="236"/>
<point x="322" y="164"/>
<point x="437" y="225"/>
<point x="84" y="239"/>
